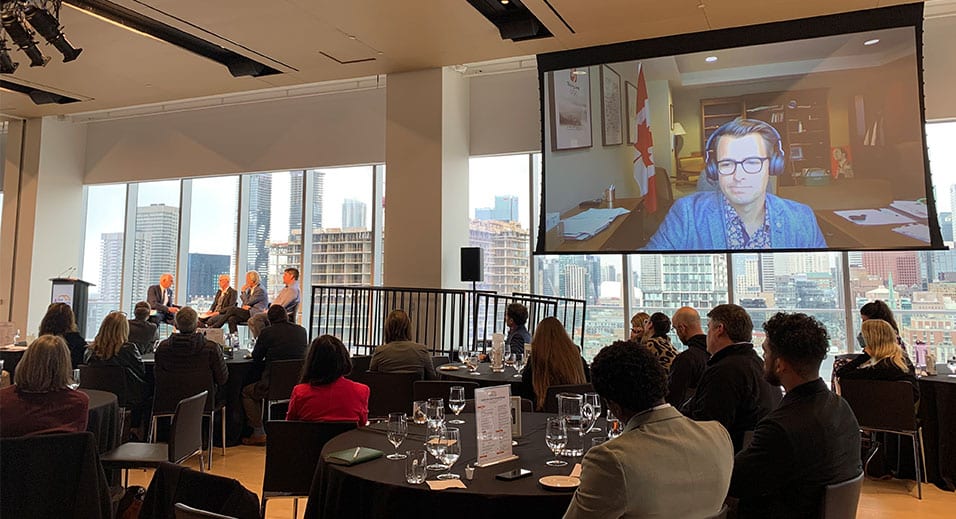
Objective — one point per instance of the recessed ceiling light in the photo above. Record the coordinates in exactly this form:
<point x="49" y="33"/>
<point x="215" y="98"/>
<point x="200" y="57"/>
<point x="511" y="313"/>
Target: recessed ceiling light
<point x="710" y="59"/>
<point x="505" y="2"/>
<point x="874" y="41"/>
<point x="579" y="72"/>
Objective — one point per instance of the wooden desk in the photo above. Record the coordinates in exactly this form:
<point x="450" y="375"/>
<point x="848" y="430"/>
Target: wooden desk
<point x="841" y="233"/>
<point x="626" y="232"/>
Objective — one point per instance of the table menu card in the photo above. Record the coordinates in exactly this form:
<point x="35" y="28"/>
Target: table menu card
<point x="493" y="417"/>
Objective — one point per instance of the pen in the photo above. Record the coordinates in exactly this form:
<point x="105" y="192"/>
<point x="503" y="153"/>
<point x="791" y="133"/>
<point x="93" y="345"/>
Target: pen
<point x="356" y="453"/>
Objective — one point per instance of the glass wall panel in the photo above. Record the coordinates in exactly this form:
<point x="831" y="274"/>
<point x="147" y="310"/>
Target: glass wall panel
<point x="103" y="251"/>
<point x="156" y="235"/>
<point x="342" y="226"/>
<point x="213" y="219"/>
<point x="274" y="212"/>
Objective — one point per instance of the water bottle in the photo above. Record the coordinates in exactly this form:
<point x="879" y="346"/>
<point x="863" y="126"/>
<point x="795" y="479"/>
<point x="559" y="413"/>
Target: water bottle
<point x="498" y="353"/>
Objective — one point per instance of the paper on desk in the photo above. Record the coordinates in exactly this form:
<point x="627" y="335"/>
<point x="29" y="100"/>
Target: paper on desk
<point x="918" y="231"/>
<point x="874" y="216"/>
<point x="585" y="225"/>
<point x="442" y="484"/>
<point x="911" y="207"/>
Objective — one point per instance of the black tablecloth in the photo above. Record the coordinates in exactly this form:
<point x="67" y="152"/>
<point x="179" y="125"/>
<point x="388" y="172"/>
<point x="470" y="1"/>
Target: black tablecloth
<point x="937" y="412"/>
<point x="485" y="376"/>
<point x="230" y="393"/>
<point x="103" y="419"/>
<point x="10" y="361"/>
<point x="378" y="489"/>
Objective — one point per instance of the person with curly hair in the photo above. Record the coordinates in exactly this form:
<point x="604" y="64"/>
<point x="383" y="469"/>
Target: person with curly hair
<point x="647" y="471"/>
<point x="810" y="441"/>
<point x="59" y="320"/>
<point x="659" y="342"/>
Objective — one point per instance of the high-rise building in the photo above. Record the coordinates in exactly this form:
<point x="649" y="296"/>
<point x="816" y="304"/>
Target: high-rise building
<point x="317" y="180"/>
<point x="353" y="214"/>
<point x="505" y="258"/>
<point x="202" y="274"/>
<point x="505" y="210"/>
<point x="902" y="266"/>
<point x="339" y="257"/>
<point x="260" y="225"/>
<point x="155" y="244"/>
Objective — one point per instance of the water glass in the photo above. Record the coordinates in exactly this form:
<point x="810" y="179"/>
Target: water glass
<point x="415" y="472"/>
<point x="433" y="444"/>
<point x="397" y="428"/>
<point x="519" y="362"/>
<point x="418" y="412"/>
<point x="456" y="402"/>
<point x="579" y="417"/>
<point x="614" y="428"/>
<point x="76" y="379"/>
<point x="556" y="437"/>
<point x="474" y="358"/>
<point x="597" y="440"/>
<point x="594" y="400"/>
<point x="449" y="450"/>
<point x="435" y="411"/>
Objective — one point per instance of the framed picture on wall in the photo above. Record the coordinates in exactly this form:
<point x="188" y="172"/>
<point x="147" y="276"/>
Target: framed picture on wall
<point x="631" y="92"/>
<point x="570" y="91"/>
<point x="612" y="132"/>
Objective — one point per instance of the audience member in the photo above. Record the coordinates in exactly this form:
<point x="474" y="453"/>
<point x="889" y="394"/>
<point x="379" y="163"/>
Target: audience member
<point x="111" y="347"/>
<point x="287" y="298"/>
<point x="254" y="301"/>
<point x="555" y="361"/>
<point x="400" y="354"/>
<point x="40" y="400"/>
<point x="689" y="364"/>
<point x="641" y="327"/>
<point x="59" y="320"/>
<point x="282" y="340"/>
<point x="323" y="393"/>
<point x="143" y="333"/>
<point x="663" y="464"/>
<point x="882" y="358"/>
<point x="659" y="343"/>
<point x="225" y="299"/>
<point x="160" y="299"/>
<point x="879" y="310"/>
<point x="732" y="389"/>
<point x="516" y="316"/>
<point x="811" y="440"/>
<point x="188" y="351"/>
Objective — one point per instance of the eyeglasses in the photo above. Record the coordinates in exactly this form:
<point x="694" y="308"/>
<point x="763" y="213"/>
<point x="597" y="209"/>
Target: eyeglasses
<point x="750" y="165"/>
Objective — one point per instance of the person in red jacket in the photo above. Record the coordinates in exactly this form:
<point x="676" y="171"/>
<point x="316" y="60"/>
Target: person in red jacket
<point x="324" y="394"/>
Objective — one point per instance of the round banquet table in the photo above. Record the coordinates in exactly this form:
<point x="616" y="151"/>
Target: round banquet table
<point x="103" y="420"/>
<point x="378" y="489"/>
<point x="937" y="413"/>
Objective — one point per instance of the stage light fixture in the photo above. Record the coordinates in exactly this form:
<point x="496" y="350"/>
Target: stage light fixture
<point x="7" y="65"/>
<point x="22" y="37"/>
<point x="49" y="27"/>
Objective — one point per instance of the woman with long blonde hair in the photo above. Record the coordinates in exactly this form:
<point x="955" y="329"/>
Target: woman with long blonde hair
<point x="111" y="347"/>
<point x="882" y="357"/>
<point x="555" y="360"/>
<point x="641" y="328"/>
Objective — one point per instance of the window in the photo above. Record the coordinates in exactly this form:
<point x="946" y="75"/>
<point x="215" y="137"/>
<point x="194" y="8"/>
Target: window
<point x="341" y="226"/>
<point x="272" y="204"/>
<point x="103" y="252"/>
<point x="155" y="236"/>
<point x="211" y="211"/>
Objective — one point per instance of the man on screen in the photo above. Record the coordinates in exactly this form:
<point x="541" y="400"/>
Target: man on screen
<point x="740" y="158"/>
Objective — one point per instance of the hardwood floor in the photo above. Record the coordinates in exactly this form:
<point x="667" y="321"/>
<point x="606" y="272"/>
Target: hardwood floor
<point x="880" y="500"/>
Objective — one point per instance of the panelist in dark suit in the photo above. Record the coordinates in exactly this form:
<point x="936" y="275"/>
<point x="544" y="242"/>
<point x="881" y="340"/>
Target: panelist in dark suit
<point x="254" y="301"/>
<point x="810" y="441"/>
<point x="143" y="333"/>
<point x="281" y="340"/>
<point x="160" y="299"/>
<point x="225" y="299"/>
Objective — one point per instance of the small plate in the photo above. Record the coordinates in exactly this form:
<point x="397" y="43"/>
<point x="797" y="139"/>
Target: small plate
<point x="448" y="367"/>
<point x="561" y="483"/>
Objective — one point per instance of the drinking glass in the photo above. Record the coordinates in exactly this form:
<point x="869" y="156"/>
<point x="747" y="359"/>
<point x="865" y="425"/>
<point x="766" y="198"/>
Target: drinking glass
<point x="434" y="445"/>
<point x="613" y="426"/>
<point x="509" y="359"/>
<point x="456" y="402"/>
<point x="556" y="436"/>
<point x="473" y="360"/>
<point x="449" y="451"/>
<point x="435" y="411"/>
<point x="597" y="440"/>
<point x="397" y="431"/>
<point x="418" y="412"/>
<point x="76" y="379"/>
<point x="415" y="472"/>
<point x="519" y="363"/>
<point x="578" y="417"/>
<point x="595" y="400"/>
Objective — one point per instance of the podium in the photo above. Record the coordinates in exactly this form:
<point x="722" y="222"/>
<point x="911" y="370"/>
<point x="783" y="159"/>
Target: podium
<point x="75" y="293"/>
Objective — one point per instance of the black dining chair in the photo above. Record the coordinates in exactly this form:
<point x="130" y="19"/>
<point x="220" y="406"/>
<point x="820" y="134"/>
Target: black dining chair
<point x="282" y="375"/>
<point x="185" y="441"/>
<point x="887" y="406"/>
<point x="187" y="512"/>
<point x="111" y="379"/>
<point x="551" y="398"/>
<point x="293" y="450"/>
<point x="840" y="500"/>
<point x="171" y="387"/>
<point x="389" y="392"/>
<point x="360" y="364"/>
<point x="440" y="360"/>
<point x="425" y="389"/>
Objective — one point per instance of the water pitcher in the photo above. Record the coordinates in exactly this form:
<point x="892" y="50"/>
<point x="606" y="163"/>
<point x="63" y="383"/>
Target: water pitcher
<point x="579" y="416"/>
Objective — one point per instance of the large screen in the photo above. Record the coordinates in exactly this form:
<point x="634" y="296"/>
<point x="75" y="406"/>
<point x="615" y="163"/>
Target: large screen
<point x="791" y="136"/>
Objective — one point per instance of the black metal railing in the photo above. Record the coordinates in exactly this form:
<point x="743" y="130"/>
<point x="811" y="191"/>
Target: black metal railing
<point x="571" y="312"/>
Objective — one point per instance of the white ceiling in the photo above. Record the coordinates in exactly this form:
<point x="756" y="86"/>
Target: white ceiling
<point x="119" y="68"/>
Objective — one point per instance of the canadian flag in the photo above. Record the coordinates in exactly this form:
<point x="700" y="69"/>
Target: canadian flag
<point x="644" y="145"/>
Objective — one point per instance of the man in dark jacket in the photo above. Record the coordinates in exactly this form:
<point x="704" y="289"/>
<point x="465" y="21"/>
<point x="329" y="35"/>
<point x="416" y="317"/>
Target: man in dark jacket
<point x="810" y="441"/>
<point x="732" y="389"/>
<point x="689" y="365"/>
<point x="281" y="340"/>
<point x="188" y="351"/>
<point x="143" y="333"/>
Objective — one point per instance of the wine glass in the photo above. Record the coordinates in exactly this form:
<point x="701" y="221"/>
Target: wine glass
<point x="75" y="383"/>
<point x="473" y="360"/>
<point x="449" y="451"/>
<point x="435" y="411"/>
<point x="613" y="426"/>
<point x="462" y="356"/>
<point x="519" y="364"/>
<point x="456" y="402"/>
<point x="397" y="431"/>
<point x="595" y="400"/>
<point x="951" y="364"/>
<point x="433" y="444"/>
<point x="556" y="436"/>
<point x="509" y="359"/>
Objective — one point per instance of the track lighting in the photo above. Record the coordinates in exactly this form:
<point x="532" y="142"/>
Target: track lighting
<point x="22" y="37"/>
<point x="49" y="27"/>
<point x="7" y="65"/>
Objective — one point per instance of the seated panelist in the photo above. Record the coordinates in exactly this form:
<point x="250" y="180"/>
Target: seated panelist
<point x="254" y="301"/>
<point x="160" y="299"/>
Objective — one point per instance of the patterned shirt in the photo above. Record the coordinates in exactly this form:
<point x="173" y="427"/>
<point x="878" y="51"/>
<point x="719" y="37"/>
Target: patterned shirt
<point x="661" y="346"/>
<point x="737" y="237"/>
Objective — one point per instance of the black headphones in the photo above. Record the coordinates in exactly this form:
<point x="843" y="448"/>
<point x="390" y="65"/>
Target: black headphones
<point x="741" y="127"/>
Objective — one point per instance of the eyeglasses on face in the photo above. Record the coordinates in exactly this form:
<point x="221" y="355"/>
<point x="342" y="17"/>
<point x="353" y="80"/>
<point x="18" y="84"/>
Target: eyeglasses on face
<point x="750" y="165"/>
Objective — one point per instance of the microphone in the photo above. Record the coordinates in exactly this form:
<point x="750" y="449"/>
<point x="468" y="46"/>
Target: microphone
<point x="65" y="271"/>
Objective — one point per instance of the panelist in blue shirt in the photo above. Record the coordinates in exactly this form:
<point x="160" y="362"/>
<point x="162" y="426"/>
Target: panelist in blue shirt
<point x="740" y="158"/>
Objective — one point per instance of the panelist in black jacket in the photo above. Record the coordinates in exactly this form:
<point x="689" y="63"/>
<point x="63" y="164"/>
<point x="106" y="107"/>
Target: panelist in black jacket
<point x="810" y="441"/>
<point x="160" y="299"/>
<point x="224" y="300"/>
<point x="732" y="389"/>
<point x="281" y="340"/>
